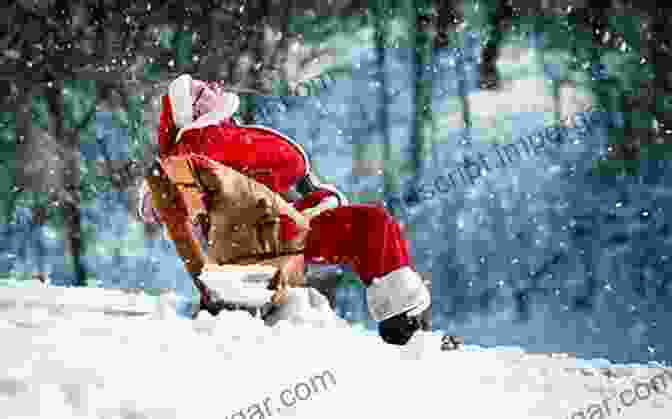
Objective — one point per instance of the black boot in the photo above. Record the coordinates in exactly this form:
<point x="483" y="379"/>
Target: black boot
<point x="399" y="329"/>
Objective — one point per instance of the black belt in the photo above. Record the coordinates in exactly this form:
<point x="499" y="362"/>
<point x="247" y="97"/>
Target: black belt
<point x="305" y="185"/>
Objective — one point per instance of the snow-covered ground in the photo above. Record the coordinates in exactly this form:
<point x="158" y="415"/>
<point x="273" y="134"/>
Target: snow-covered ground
<point x="62" y="363"/>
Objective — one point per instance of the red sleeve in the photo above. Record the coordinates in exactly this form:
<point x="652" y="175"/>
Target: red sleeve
<point x="288" y="228"/>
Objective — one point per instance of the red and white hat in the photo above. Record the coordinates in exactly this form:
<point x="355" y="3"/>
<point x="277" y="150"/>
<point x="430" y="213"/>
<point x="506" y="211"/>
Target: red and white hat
<point x="197" y="104"/>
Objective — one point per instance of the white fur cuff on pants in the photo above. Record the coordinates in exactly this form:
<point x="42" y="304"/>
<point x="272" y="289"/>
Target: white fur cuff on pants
<point x="397" y="292"/>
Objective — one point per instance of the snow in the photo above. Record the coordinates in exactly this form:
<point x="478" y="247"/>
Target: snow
<point x="75" y="362"/>
<point x="79" y="299"/>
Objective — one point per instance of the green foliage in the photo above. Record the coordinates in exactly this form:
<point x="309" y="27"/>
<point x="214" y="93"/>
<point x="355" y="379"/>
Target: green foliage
<point x="132" y="119"/>
<point x="166" y="37"/>
<point x="630" y="27"/>
<point x="325" y="80"/>
<point x="79" y="100"/>
<point x="93" y="183"/>
<point x="40" y="112"/>
<point x="7" y="165"/>
<point x="7" y="145"/>
<point x="79" y="97"/>
<point x="663" y="104"/>
<point x="321" y="28"/>
<point x="14" y="279"/>
<point x="475" y="15"/>
<point x="280" y="88"/>
<point x="182" y="44"/>
<point x="246" y="108"/>
<point x="614" y="167"/>
<point x="152" y="72"/>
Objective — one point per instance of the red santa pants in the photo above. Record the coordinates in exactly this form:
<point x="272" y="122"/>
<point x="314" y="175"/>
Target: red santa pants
<point x="366" y="237"/>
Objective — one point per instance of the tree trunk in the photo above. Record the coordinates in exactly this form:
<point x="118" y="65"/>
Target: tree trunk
<point x="252" y="46"/>
<point x="463" y="91"/>
<point x="382" y="114"/>
<point x="661" y="49"/>
<point x="543" y="12"/>
<point x="25" y="135"/>
<point x="421" y="139"/>
<point x="69" y="198"/>
<point x="499" y="22"/>
<point x="448" y="17"/>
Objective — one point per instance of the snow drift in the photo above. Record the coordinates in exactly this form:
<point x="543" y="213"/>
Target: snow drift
<point x="63" y="360"/>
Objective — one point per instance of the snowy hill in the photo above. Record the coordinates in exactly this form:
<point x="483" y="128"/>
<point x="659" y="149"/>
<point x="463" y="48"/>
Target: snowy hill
<point x="77" y="363"/>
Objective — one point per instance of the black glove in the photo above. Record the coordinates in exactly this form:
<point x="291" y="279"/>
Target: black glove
<point x="399" y="329"/>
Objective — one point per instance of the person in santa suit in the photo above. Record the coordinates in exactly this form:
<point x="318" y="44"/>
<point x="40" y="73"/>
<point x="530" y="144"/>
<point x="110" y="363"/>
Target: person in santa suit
<point x="197" y="124"/>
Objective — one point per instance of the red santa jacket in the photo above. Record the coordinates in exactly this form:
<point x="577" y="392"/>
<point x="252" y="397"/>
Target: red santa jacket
<point x="262" y="153"/>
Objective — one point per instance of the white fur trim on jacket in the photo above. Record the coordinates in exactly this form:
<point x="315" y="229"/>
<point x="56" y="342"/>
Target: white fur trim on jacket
<point x="397" y="292"/>
<point x="179" y="92"/>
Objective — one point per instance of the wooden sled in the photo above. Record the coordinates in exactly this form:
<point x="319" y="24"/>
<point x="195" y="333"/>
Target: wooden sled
<point x="252" y="285"/>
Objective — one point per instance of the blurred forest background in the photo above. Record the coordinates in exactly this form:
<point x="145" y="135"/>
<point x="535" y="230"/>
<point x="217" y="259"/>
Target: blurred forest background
<point x="568" y="250"/>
